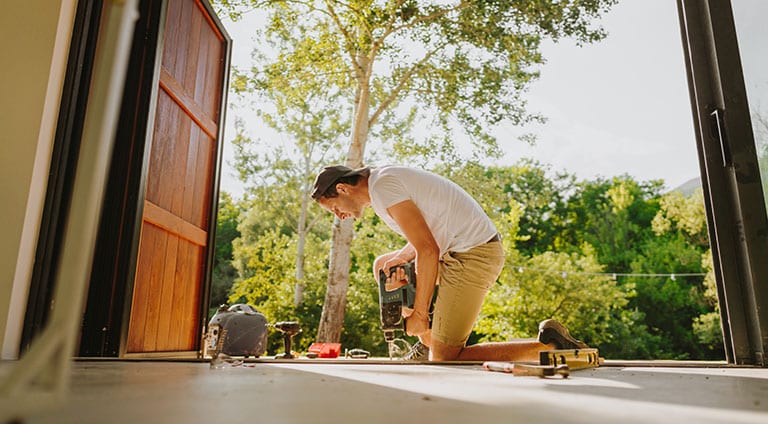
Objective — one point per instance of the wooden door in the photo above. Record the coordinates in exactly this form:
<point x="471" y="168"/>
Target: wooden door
<point x="167" y="309"/>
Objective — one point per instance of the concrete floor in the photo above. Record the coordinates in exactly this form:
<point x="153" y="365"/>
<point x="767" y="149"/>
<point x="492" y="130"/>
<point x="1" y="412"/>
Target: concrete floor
<point x="316" y="392"/>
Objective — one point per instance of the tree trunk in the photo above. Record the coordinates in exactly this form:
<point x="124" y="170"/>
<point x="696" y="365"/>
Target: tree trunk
<point x="298" y="294"/>
<point x="335" y="306"/>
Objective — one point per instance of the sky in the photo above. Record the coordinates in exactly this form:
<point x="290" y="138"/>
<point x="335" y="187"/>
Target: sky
<point x="620" y="106"/>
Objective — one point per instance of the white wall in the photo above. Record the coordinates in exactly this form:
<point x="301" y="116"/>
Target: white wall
<point x="34" y="40"/>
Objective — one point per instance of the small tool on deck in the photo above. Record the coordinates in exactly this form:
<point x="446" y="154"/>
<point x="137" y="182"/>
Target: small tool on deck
<point x="551" y="363"/>
<point x="522" y="369"/>
<point x="576" y="359"/>
<point x="289" y="329"/>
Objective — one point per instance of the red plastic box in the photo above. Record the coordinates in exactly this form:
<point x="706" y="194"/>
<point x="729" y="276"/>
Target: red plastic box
<point x="325" y="350"/>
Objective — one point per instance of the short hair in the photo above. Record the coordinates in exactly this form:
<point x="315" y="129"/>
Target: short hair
<point x="331" y="192"/>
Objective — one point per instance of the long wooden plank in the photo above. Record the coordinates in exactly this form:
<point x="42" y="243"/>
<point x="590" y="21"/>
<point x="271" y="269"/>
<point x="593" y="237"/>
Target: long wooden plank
<point x="162" y="218"/>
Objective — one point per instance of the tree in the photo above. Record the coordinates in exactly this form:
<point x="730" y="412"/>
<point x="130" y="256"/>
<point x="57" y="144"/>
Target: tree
<point x="224" y="273"/>
<point x="760" y="128"/>
<point x="527" y="184"/>
<point x="568" y="287"/>
<point x="464" y="63"/>
<point x="707" y="326"/>
<point x="265" y="258"/>
<point x="308" y="108"/>
<point x="613" y="216"/>
<point x="681" y="310"/>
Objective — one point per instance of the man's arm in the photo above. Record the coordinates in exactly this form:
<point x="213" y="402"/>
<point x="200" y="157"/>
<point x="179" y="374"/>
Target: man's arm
<point x="398" y="257"/>
<point x="408" y="216"/>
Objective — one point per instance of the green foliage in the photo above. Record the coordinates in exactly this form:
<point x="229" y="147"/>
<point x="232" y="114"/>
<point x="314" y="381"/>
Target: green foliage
<point x="267" y="266"/>
<point x="526" y="189"/>
<point x="684" y="215"/>
<point x="465" y="64"/>
<point x="670" y="303"/>
<point x="362" y="326"/>
<point x="568" y="287"/>
<point x="613" y="216"/>
<point x="678" y="309"/>
<point x="760" y="129"/>
<point x="709" y="332"/>
<point x="224" y="273"/>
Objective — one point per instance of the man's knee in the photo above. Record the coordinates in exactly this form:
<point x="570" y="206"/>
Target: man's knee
<point x="442" y="352"/>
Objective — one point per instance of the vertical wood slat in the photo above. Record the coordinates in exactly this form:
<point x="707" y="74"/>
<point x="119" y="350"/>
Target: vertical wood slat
<point x="166" y="311"/>
<point x="166" y="301"/>
<point x="137" y="324"/>
<point x="202" y="67"/>
<point x="155" y="286"/>
<point x="187" y="75"/>
<point x="189" y="171"/>
<point x="205" y="163"/>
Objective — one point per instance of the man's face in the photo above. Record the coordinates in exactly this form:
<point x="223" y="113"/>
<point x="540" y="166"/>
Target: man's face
<point x="344" y="206"/>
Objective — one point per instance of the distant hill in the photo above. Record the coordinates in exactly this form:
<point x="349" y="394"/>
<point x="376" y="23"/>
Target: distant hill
<point x="687" y="188"/>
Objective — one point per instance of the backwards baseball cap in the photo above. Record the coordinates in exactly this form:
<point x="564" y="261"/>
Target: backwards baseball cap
<point x="330" y="174"/>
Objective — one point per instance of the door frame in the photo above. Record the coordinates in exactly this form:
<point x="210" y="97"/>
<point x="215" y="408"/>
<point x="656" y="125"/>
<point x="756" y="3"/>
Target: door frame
<point x="64" y="156"/>
<point x="105" y="327"/>
<point x="733" y="194"/>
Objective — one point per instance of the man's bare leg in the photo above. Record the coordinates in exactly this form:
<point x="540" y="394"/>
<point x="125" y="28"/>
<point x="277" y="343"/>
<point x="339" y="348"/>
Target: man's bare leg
<point x="517" y="350"/>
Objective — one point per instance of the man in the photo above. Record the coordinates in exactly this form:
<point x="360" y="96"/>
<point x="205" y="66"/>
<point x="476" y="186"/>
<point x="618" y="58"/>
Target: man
<point x="453" y="242"/>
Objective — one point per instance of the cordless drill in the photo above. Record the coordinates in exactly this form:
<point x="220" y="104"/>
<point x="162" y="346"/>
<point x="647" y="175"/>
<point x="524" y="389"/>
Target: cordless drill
<point x="391" y="303"/>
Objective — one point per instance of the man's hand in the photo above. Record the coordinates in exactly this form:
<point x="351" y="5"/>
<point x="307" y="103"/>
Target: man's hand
<point x="395" y="279"/>
<point x="393" y="259"/>
<point x="417" y="323"/>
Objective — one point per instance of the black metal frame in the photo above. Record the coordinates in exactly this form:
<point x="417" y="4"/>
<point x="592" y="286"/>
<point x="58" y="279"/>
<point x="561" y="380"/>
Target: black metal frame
<point x="66" y="146"/>
<point x="214" y="209"/>
<point x="736" y="214"/>
<point x="107" y="311"/>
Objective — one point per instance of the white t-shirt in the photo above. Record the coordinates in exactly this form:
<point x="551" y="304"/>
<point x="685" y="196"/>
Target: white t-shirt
<point x="456" y="220"/>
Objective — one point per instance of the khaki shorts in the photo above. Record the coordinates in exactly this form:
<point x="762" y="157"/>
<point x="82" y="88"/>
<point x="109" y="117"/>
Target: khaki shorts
<point x="464" y="279"/>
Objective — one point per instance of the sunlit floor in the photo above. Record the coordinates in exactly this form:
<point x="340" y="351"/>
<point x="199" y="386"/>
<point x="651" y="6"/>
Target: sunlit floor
<point x="292" y="392"/>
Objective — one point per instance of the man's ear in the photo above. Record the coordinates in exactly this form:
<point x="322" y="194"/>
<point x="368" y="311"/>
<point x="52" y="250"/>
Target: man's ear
<point x="341" y="188"/>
